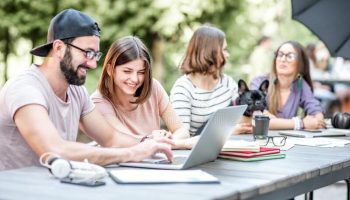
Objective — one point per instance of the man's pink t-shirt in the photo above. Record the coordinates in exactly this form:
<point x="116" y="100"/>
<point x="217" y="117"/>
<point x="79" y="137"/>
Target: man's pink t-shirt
<point x="31" y="87"/>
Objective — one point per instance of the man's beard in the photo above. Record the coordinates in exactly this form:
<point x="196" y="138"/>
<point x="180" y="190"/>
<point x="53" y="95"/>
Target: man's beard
<point x="69" y="73"/>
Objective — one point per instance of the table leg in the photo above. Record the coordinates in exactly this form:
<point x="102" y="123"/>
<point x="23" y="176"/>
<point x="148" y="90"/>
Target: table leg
<point x="347" y="181"/>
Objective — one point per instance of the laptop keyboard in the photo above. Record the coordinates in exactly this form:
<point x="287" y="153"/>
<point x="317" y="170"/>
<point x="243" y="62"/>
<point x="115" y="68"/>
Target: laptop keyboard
<point x="176" y="160"/>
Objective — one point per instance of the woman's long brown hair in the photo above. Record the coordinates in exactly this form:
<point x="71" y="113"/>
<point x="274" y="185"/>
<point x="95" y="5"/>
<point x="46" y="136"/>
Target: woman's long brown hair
<point x="303" y="73"/>
<point x="122" y="51"/>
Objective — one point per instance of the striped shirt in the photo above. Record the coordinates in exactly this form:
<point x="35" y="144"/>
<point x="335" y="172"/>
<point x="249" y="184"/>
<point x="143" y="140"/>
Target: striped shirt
<point x="195" y="105"/>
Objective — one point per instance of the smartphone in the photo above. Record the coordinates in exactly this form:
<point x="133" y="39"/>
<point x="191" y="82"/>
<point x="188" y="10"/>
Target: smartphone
<point x="86" y="183"/>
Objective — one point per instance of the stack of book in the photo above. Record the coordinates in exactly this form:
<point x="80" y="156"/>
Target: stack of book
<point x="249" y="151"/>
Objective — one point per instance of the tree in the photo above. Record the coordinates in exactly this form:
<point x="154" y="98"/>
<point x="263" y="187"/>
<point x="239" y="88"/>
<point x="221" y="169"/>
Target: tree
<point x="30" y="20"/>
<point x="161" y="24"/>
<point x="6" y="32"/>
<point x="164" y="25"/>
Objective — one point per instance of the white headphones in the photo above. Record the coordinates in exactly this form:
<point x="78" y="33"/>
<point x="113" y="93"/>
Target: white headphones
<point x="78" y="171"/>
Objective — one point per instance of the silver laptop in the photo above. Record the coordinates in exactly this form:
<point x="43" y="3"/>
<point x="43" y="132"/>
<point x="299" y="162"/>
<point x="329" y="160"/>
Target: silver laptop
<point x="210" y="142"/>
<point x="331" y="132"/>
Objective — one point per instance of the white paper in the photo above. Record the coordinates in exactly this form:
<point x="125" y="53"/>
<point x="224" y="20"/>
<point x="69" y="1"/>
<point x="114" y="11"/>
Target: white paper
<point x="162" y="176"/>
<point x="241" y="144"/>
<point x="319" y="142"/>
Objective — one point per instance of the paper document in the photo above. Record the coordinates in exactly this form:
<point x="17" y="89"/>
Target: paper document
<point x="161" y="176"/>
<point x="333" y="132"/>
<point x="319" y="142"/>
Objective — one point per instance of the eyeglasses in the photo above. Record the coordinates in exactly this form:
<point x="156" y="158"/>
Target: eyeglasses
<point x="276" y="140"/>
<point x="89" y="54"/>
<point x="290" y="57"/>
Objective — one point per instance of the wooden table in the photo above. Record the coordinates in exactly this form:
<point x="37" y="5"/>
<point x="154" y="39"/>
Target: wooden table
<point x="304" y="169"/>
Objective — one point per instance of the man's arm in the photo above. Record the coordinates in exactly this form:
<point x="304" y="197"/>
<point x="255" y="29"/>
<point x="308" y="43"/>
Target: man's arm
<point x="42" y="136"/>
<point x="96" y="127"/>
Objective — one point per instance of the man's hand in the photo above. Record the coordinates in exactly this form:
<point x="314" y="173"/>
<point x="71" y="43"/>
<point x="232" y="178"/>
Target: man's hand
<point x="150" y="147"/>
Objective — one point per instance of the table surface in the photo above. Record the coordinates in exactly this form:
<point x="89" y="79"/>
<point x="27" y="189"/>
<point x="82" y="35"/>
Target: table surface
<point x="304" y="169"/>
<point x="332" y="81"/>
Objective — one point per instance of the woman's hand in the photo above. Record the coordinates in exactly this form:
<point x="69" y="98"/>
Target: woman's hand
<point x="242" y="128"/>
<point x="161" y="134"/>
<point x="267" y="113"/>
<point x="187" y="143"/>
<point x="312" y="122"/>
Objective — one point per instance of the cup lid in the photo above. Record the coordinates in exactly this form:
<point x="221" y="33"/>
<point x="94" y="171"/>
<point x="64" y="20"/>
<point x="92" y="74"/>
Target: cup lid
<point x="261" y="117"/>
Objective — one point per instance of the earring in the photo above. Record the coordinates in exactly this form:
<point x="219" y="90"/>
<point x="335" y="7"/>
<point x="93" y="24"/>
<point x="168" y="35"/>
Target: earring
<point x="299" y="81"/>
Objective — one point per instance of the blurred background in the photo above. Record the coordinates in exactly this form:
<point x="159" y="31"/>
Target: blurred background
<point x="164" y="25"/>
<point x="254" y="29"/>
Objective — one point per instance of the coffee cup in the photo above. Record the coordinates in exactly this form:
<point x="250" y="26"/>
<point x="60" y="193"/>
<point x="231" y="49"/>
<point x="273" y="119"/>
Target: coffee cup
<point x="260" y="126"/>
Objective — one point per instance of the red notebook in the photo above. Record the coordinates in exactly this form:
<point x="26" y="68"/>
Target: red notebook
<point x="248" y="154"/>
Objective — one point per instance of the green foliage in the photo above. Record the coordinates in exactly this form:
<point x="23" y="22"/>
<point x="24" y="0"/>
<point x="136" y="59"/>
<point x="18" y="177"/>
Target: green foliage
<point x="164" y="21"/>
<point x="164" y="25"/>
<point x="30" y="20"/>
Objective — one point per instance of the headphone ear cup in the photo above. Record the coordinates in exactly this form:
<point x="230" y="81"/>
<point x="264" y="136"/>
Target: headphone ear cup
<point x="341" y="120"/>
<point x="60" y="168"/>
<point x="346" y="120"/>
<point x="334" y="120"/>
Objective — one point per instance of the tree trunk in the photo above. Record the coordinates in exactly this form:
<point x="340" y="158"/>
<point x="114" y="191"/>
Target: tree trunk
<point x="158" y="48"/>
<point x="6" y="52"/>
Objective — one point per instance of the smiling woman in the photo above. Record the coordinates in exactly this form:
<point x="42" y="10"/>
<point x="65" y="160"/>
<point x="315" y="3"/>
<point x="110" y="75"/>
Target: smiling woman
<point x="129" y="98"/>
<point x="128" y="78"/>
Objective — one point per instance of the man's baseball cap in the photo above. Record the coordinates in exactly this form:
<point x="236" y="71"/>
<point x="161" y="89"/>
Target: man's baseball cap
<point x="69" y="23"/>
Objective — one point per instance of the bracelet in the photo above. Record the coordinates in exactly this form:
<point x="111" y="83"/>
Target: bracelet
<point x="301" y="124"/>
<point x="145" y="138"/>
<point x="296" y="123"/>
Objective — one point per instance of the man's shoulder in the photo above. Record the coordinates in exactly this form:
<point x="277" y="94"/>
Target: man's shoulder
<point x="25" y="79"/>
<point x="23" y="89"/>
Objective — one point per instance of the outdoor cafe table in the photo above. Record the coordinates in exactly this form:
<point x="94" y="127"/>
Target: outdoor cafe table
<point x="332" y="81"/>
<point x="304" y="169"/>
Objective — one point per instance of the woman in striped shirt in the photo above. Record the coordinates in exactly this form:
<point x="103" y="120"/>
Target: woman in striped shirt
<point x="204" y="88"/>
